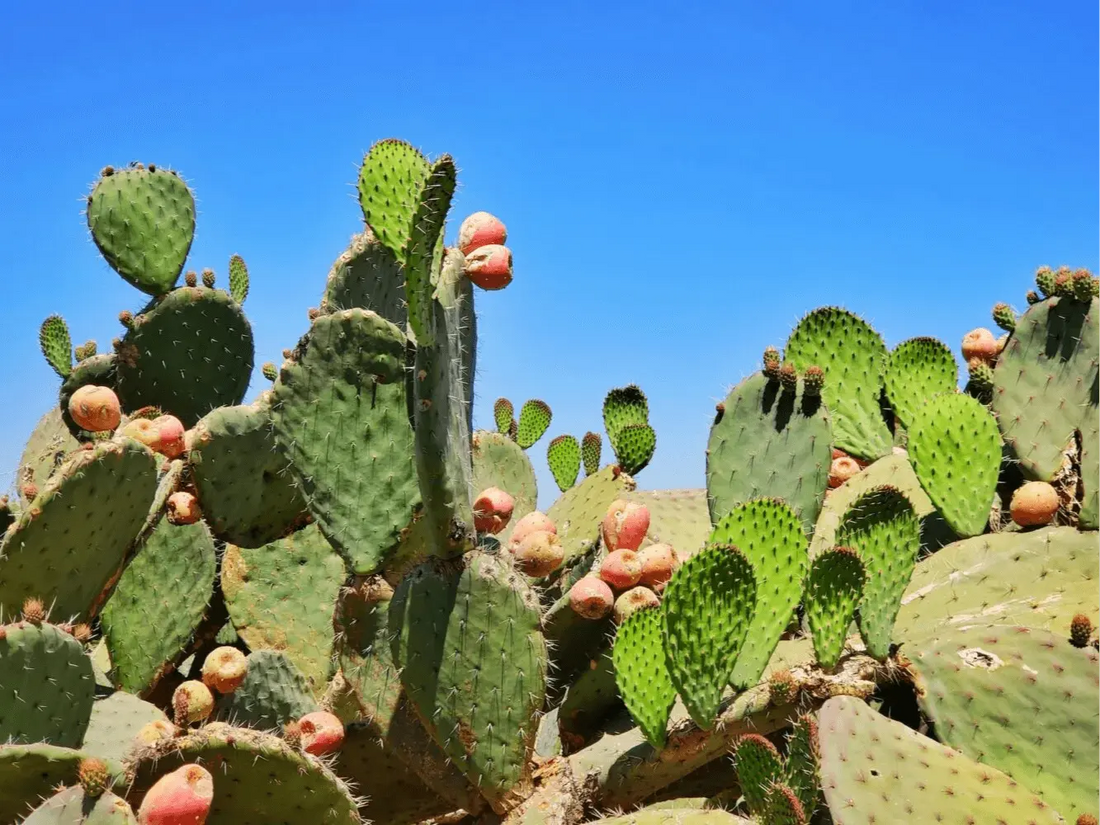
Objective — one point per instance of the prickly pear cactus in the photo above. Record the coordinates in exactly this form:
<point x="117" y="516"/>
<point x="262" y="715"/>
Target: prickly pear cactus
<point x="641" y="675"/>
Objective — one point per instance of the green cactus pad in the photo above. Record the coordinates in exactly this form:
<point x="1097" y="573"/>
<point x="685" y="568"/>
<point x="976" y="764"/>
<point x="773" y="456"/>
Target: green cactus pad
<point x="769" y="533"/>
<point x="158" y="604"/>
<point x="578" y="512"/>
<point x="46" y="686"/>
<point x="424" y="249"/>
<point x="340" y="416"/>
<point x="115" y="722"/>
<point x="676" y="517"/>
<point x="622" y="407"/>
<point x="708" y="607"/>
<point x="473" y="662"/>
<point x="801" y="772"/>
<point x="1089" y="516"/>
<point x="591" y="447"/>
<point x="783" y="807"/>
<point x="244" y="484"/>
<point x="833" y="590"/>
<point x="50" y="443"/>
<point x="188" y="353"/>
<point x="769" y="442"/>
<point x="499" y="462"/>
<point x="853" y="358"/>
<point x="143" y="221"/>
<point x="595" y="694"/>
<point x="273" y="693"/>
<point x="70" y="544"/>
<point x="955" y="450"/>
<point x="260" y="780"/>
<point x="534" y="420"/>
<point x="759" y="766"/>
<point x="634" y="447"/>
<point x="917" y="370"/>
<point x="1022" y="701"/>
<point x="876" y="770"/>
<point x="882" y="527"/>
<point x="30" y="773"/>
<point x="72" y="807"/>
<point x="56" y="345"/>
<point x="564" y="457"/>
<point x="100" y="370"/>
<point x="641" y="674"/>
<point x="238" y="279"/>
<point x="282" y="596"/>
<point x="503" y="415"/>
<point x="391" y="179"/>
<point x="367" y="275"/>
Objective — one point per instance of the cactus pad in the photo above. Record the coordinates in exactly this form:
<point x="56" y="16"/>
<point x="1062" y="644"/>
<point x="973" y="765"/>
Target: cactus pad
<point x="534" y="419"/>
<point x="503" y="415"/>
<point x="634" y="447"/>
<point x="833" y="590"/>
<point x="116" y="720"/>
<point x="591" y="447"/>
<point x="56" y="345"/>
<point x="367" y="275"/>
<point x="641" y="674"/>
<point x="238" y="279"/>
<point x="917" y="370"/>
<point x="622" y="407"/>
<point x="424" y="248"/>
<point x="72" y="807"/>
<point x="143" y="221"/>
<point x="499" y="462"/>
<point x="390" y="181"/>
<point x="273" y="693"/>
<point x="45" y="451"/>
<point x="708" y="608"/>
<point x="578" y="512"/>
<point x="564" y="457"/>
<point x="759" y="767"/>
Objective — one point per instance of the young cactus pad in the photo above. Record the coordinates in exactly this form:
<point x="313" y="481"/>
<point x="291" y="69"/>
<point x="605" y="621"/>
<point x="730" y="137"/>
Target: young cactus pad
<point x="641" y="675"/>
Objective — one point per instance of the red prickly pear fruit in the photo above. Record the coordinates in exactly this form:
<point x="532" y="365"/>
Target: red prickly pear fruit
<point x="625" y="525"/>
<point x="979" y="343"/>
<point x="182" y="797"/>
<point x="634" y="599"/>
<point x="535" y="522"/>
<point x="842" y="469"/>
<point x="591" y="598"/>
<point x="621" y="569"/>
<point x="183" y="508"/>
<point x="493" y="510"/>
<point x="481" y="229"/>
<point x="490" y="267"/>
<point x="95" y="409"/>
<point x="1034" y="504"/>
<point x="659" y="562"/>
<point x="156" y="731"/>
<point x="170" y="440"/>
<point x="192" y="701"/>
<point x="224" y="669"/>
<point x="321" y="733"/>
<point x="539" y="554"/>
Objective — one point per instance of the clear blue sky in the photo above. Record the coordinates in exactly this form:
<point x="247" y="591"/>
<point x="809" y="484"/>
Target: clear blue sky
<point x="681" y="181"/>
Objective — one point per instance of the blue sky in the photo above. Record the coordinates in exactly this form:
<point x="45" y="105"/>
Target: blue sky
<point x="681" y="181"/>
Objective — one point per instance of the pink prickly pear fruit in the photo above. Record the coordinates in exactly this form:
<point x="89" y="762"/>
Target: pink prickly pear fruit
<point x="481" y="229"/>
<point x="183" y="508"/>
<point x="224" y="669"/>
<point x="659" y="562"/>
<point x="490" y="267"/>
<point x="321" y="733"/>
<point x="170" y="440"/>
<point x="182" y="797"/>
<point x="980" y="343"/>
<point x="539" y="554"/>
<point x="621" y="569"/>
<point x="842" y="469"/>
<point x="493" y="510"/>
<point x="192" y="701"/>
<point x="591" y="598"/>
<point x="95" y="409"/>
<point x="625" y="525"/>
<point x="535" y="522"/>
<point x="634" y="599"/>
<point x="156" y="731"/>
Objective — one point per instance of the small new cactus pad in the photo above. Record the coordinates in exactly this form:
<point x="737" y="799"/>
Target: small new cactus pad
<point x="281" y="597"/>
<point x="1004" y="317"/>
<point x="708" y="607"/>
<point x="57" y="346"/>
<point x="158" y="603"/>
<point x="833" y="590"/>
<point x="853" y="358"/>
<point x="245" y="486"/>
<point x="100" y="370"/>
<point x="74" y="806"/>
<point x="917" y="370"/>
<point x="367" y="275"/>
<point x="801" y="772"/>
<point x="143" y="221"/>
<point x="503" y="415"/>
<point x="634" y="447"/>
<point x="882" y="527"/>
<point x="499" y="462"/>
<point x="46" y="686"/>
<point x="1020" y="700"/>
<point x="238" y="279"/>
<point x="391" y="178"/>
<point x="641" y="673"/>
<point x="759" y="766"/>
<point x="591" y="447"/>
<point x="424" y="249"/>
<point x="579" y="510"/>
<point x="563" y="455"/>
<point x="473" y="662"/>
<point x="955" y="449"/>
<point x="876" y="770"/>
<point x="783" y="807"/>
<point x="69" y="547"/>
<point x="626" y="419"/>
<point x="768" y="443"/>
<point x="769" y="533"/>
<point x="534" y="420"/>
<point x="273" y="693"/>
<point x="340" y="415"/>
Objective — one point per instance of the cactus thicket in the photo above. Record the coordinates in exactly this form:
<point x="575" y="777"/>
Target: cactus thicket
<point x="288" y="614"/>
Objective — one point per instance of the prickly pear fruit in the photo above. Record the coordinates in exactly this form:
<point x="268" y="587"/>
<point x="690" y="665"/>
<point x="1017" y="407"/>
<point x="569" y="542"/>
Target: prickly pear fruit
<point x="1080" y="630"/>
<point x="539" y="553"/>
<point x="224" y="669"/>
<point x="782" y="687"/>
<point x="95" y="409"/>
<point x="1034" y="504"/>
<point x="622" y="569"/>
<point x="659" y="562"/>
<point x="813" y="380"/>
<point x="321" y="733"/>
<point x="979" y="343"/>
<point x="493" y="510"/>
<point x="1086" y="819"/>
<point x="192" y="702"/>
<point x="625" y="525"/>
<point x="1004" y="317"/>
<point x="169" y="436"/>
<point x="842" y="469"/>
<point x="183" y="508"/>
<point x="156" y="731"/>
<point x="771" y="362"/>
<point x="481" y="229"/>
<point x="788" y="377"/>
<point x="182" y="797"/>
<point x="1044" y="279"/>
<point x="634" y="599"/>
<point x="591" y="598"/>
<point x="490" y="267"/>
<point x="95" y="779"/>
<point x="34" y="612"/>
